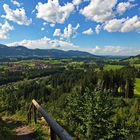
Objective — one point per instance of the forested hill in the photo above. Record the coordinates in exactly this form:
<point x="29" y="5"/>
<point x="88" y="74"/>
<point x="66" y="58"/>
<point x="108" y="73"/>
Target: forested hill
<point x="23" y="51"/>
<point x="132" y="59"/>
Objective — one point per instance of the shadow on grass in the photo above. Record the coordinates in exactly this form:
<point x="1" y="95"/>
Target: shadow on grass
<point x="7" y="132"/>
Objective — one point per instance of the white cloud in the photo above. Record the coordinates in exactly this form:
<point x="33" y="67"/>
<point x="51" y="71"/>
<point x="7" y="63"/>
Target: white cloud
<point x="98" y="28"/>
<point x="52" y="25"/>
<point x="107" y="49"/>
<point x="88" y="31"/>
<point x="57" y="32"/>
<point x="46" y="43"/>
<point x="67" y="33"/>
<point x="18" y="15"/>
<point x="96" y="49"/>
<point x="105" y="11"/>
<point x="4" y="29"/>
<point x="123" y="25"/>
<point x="123" y="6"/>
<point x="115" y="50"/>
<point x="99" y="10"/>
<point x="33" y="11"/>
<point x="53" y="12"/>
<point x="77" y="2"/>
<point x="16" y="3"/>
<point x="44" y="23"/>
<point x="114" y="25"/>
<point x="42" y="29"/>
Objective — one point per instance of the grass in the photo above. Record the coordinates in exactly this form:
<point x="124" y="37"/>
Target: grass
<point x="137" y="86"/>
<point x="8" y="125"/>
<point x="5" y="131"/>
<point x="137" y="65"/>
<point x="112" y="67"/>
<point x="41" y="129"/>
<point x="3" y="67"/>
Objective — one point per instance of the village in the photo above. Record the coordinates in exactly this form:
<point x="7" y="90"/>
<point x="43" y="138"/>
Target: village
<point x="34" y="65"/>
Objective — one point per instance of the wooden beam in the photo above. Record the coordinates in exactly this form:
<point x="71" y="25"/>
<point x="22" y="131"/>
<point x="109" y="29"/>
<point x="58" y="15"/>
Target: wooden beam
<point x="59" y="131"/>
<point x="52" y="134"/>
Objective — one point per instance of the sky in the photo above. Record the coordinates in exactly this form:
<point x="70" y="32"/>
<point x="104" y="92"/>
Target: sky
<point x="101" y="27"/>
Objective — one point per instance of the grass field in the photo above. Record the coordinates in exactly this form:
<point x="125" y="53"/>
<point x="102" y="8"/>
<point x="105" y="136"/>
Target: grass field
<point x="137" y="65"/>
<point x="112" y="67"/>
<point x="3" y="67"/>
<point x="137" y="86"/>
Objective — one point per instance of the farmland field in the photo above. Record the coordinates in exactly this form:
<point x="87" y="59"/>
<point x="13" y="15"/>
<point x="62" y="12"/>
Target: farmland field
<point x="137" y="86"/>
<point x="112" y="67"/>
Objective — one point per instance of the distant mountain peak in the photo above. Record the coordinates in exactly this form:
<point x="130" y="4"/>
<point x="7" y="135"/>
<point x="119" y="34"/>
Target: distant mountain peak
<point x="55" y="53"/>
<point x="3" y="46"/>
<point x="20" y="47"/>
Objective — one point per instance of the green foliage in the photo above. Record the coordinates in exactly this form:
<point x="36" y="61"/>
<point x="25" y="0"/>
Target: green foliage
<point x="89" y="115"/>
<point x="38" y="133"/>
<point x="128" y="117"/>
<point x="95" y="115"/>
<point x="5" y="131"/>
<point x="73" y="98"/>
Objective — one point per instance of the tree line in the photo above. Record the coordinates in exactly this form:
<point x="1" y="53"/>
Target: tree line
<point x="92" y="104"/>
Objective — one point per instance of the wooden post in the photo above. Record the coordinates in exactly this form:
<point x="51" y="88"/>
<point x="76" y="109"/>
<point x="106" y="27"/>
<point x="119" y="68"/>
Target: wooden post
<point x="29" y="115"/>
<point x="28" y="118"/>
<point x="35" y="115"/>
<point x="52" y="134"/>
<point x="55" y="128"/>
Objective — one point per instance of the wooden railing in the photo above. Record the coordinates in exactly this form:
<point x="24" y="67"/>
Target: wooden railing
<point x="55" y="128"/>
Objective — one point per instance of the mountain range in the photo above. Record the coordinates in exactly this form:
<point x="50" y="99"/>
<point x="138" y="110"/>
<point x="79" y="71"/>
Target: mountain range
<point x="17" y="51"/>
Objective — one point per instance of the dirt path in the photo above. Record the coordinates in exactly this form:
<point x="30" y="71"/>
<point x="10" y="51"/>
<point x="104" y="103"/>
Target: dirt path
<point x="24" y="133"/>
<point x="20" y="130"/>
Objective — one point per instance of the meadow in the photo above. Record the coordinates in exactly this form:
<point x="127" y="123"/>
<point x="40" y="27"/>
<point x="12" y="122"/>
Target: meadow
<point x="113" y="67"/>
<point x="137" y="86"/>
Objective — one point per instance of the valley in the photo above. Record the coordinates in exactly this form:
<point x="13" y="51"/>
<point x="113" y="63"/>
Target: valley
<point x="69" y="69"/>
<point x="61" y="84"/>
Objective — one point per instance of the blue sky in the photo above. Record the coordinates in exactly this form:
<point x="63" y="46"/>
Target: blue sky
<point x="104" y="27"/>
